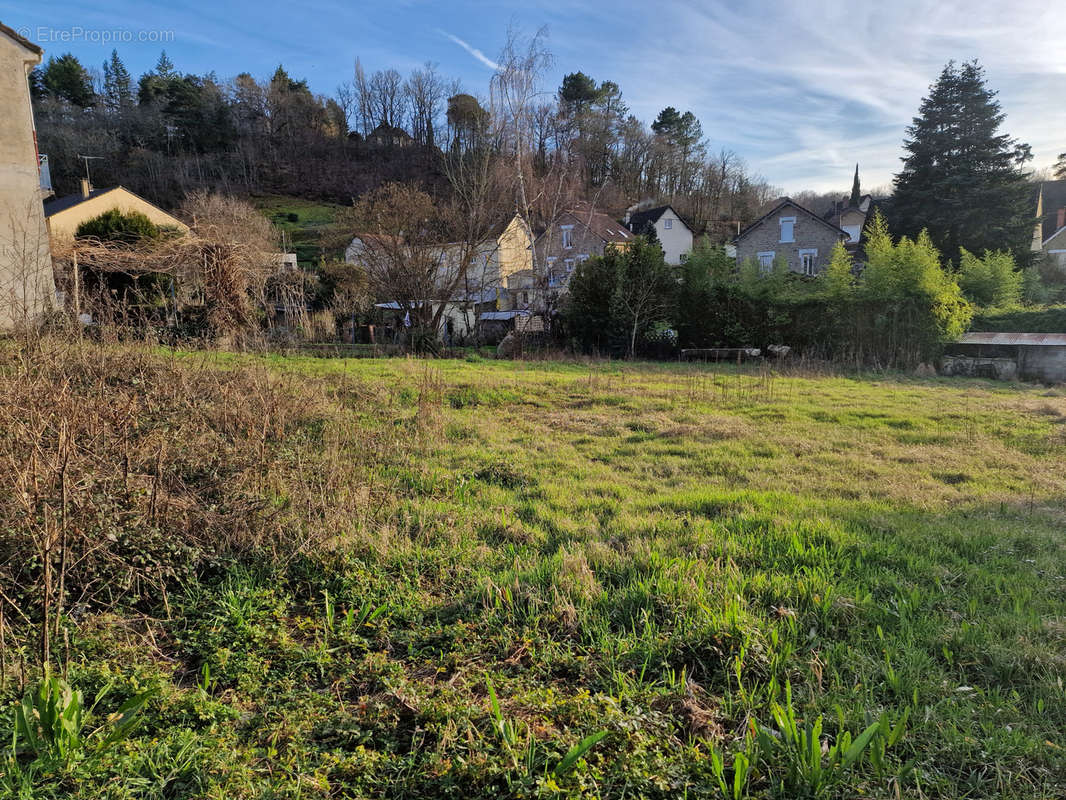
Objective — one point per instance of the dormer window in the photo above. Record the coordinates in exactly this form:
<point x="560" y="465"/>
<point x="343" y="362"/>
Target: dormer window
<point x="788" y="229"/>
<point x="668" y="224"/>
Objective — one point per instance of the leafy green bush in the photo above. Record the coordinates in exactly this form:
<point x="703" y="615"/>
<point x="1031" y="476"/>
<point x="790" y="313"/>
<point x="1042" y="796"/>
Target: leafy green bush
<point x="991" y="280"/>
<point x="1049" y="319"/>
<point x="898" y="312"/>
<point x="116" y="226"/>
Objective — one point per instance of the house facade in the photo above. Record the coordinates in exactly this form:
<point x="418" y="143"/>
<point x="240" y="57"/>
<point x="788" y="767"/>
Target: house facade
<point x="27" y="285"/>
<point x="850" y="218"/>
<point x="792" y="234"/>
<point x="65" y="214"/>
<point x="1049" y="234"/>
<point x="674" y="233"/>
<point x="495" y="280"/>
<point x="580" y="233"/>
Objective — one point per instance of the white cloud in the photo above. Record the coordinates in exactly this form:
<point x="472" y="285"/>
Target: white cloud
<point x="480" y="56"/>
<point x="803" y="91"/>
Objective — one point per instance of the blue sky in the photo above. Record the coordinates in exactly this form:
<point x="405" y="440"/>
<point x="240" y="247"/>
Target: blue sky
<point x="802" y="91"/>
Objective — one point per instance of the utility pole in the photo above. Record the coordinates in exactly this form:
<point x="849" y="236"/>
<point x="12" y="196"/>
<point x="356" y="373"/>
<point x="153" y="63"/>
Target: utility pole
<point x="86" y="159"/>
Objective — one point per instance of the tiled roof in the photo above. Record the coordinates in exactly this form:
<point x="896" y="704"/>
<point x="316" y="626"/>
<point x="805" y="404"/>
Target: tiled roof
<point x="22" y="40"/>
<point x="1032" y="339"/>
<point x="55" y="205"/>
<point x="787" y="201"/>
<point x="602" y="225"/>
<point x="650" y="216"/>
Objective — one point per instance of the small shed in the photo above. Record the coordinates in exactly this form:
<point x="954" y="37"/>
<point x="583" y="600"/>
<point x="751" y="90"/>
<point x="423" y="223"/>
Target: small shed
<point x="1029" y="356"/>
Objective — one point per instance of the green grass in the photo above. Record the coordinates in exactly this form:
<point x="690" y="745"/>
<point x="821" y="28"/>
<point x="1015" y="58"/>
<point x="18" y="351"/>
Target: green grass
<point x="705" y="566"/>
<point x="311" y="234"/>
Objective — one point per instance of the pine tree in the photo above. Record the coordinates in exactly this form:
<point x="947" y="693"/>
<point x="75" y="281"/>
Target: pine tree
<point x="164" y="67"/>
<point x="856" y="191"/>
<point x="1059" y="169"/>
<point x="118" y="93"/>
<point x="65" y="78"/>
<point x="962" y="179"/>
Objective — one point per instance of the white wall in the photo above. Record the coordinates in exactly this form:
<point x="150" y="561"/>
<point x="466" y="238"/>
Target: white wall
<point x="677" y="240"/>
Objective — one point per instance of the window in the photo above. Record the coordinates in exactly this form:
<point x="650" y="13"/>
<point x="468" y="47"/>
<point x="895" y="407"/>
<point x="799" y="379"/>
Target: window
<point x="788" y="229"/>
<point x="553" y="279"/>
<point x="582" y="258"/>
<point x="853" y="232"/>
<point x="766" y="262"/>
<point x="568" y="237"/>
<point x="668" y="224"/>
<point x="569" y="265"/>
<point x="809" y="262"/>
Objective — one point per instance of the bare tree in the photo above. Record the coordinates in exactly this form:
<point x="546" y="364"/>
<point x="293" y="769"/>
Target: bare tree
<point x="514" y="90"/>
<point x="388" y="103"/>
<point x="425" y="91"/>
<point x="348" y="101"/>
<point x="364" y="98"/>
<point x="404" y="242"/>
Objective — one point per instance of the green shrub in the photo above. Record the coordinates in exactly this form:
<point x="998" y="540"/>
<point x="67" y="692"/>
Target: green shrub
<point x="116" y="226"/>
<point x="991" y="280"/>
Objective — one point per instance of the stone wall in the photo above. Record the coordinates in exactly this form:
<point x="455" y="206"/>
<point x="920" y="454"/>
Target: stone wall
<point x="809" y="234"/>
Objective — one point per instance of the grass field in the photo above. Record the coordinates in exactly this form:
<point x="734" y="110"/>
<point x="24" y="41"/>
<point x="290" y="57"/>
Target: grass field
<point x="311" y="233"/>
<point x="405" y="578"/>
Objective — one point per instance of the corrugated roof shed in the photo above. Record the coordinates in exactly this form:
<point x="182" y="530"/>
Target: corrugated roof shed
<point x="1031" y="339"/>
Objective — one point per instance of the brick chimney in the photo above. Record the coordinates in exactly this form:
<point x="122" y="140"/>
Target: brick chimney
<point x="85" y="189"/>
<point x="1062" y="219"/>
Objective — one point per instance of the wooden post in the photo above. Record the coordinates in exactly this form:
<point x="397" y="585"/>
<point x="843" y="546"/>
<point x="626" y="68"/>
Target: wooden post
<point x="77" y="287"/>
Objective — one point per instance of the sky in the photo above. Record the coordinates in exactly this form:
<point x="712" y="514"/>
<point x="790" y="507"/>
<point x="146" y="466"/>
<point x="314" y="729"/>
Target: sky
<point x="801" y="91"/>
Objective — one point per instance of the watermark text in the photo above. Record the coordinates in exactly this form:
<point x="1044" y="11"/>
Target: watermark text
<point x="76" y="34"/>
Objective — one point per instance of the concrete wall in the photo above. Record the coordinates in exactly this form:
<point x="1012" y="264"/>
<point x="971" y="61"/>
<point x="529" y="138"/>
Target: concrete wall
<point x="27" y="286"/>
<point x="808" y="234"/>
<point x="64" y="224"/>
<point x="1046" y="363"/>
<point x="676" y="240"/>
<point x="515" y="245"/>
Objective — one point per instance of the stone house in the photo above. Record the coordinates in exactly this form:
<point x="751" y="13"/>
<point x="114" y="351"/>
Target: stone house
<point x="27" y="285"/>
<point x="790" y="233"/>
<point x="674" y="233"/>
<point x="578" y="234"/>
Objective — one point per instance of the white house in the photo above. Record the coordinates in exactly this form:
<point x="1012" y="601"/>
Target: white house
<point x="673" y="233"/>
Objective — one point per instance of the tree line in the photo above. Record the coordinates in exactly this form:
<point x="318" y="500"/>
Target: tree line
<point x="169" y="132"/>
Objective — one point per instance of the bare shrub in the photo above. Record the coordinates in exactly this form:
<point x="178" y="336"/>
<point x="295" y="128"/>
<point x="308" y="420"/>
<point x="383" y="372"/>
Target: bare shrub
<point x="122" y="472"/>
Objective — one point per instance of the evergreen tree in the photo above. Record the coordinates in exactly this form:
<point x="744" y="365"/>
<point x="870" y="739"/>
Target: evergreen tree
<point x="856" y="191"/>
<point x="164" y="67"/>
<point x="66" y="79"/>
<point x="578" y="92"/>
<point x="118" y="93"/>
<point x="1059" y="169"/>
<point x="36" y="78"/>
<point x="962" y="179"/>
